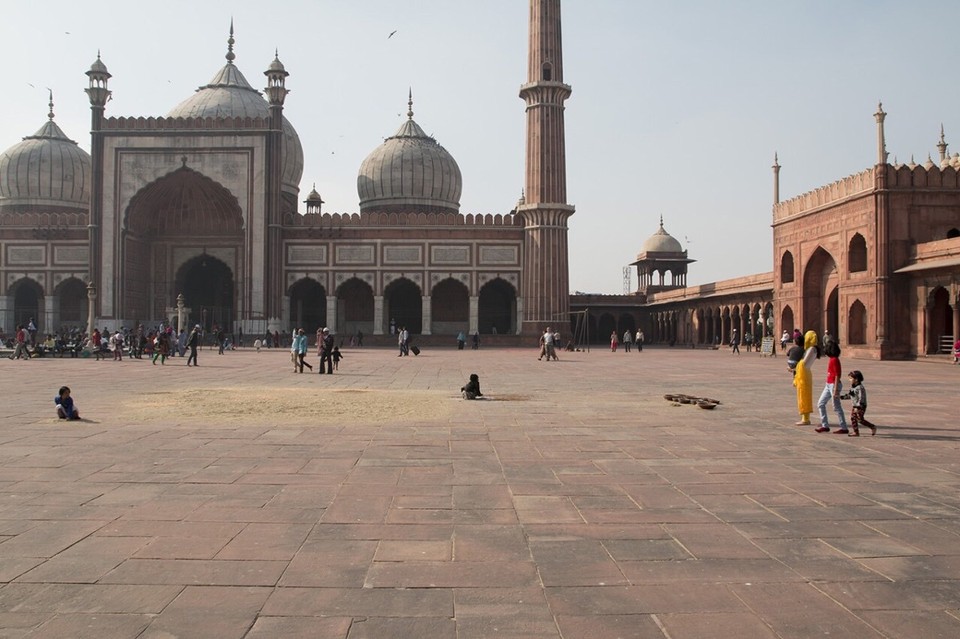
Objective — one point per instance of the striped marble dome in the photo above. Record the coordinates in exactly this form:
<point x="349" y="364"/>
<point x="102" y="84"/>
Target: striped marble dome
<point x="46" y="169"/>
<point x="409" y="172"/>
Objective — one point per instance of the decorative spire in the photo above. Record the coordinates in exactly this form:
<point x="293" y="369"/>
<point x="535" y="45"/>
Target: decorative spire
<point x="230" y="55"/>
<point x="881" y="141"/>
<point x="776" y="178"/>
<point x="410" y="104"/>
<point x="942" y="145"/>
<point x="50" y="104"/>
<point x="661" y="222"/>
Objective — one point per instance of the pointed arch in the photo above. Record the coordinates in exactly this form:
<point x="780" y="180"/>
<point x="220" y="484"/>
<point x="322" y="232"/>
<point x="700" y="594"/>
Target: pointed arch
<point x="308" y="305"/>
<point x="497" y="307"/>
<point x="786" y="268"/>
<point x="857" y="323"/>
<point x="449" y="307"/>
<point x="403" y="304"/>
<point x="355" y="307"/>
<point x="857" y="254"/>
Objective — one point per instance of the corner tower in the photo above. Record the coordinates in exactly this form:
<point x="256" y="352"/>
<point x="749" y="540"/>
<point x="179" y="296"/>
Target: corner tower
<point x="545" y="286"/>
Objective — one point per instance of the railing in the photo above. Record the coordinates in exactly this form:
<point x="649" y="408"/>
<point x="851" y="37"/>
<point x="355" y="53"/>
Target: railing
<point x="946" y="344"/>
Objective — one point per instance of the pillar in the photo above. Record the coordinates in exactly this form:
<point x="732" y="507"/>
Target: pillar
<point x="332" y="313"/>
<point x="426" y="315"/>
<point x="378" y="314"/>
<point x="475" y="315"/>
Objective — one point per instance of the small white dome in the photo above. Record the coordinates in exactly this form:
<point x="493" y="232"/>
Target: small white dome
<point x="661" y="242"/>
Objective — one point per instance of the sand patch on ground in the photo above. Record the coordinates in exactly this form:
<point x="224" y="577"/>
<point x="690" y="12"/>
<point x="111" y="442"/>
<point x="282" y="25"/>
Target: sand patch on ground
<point x="289" y="406"/>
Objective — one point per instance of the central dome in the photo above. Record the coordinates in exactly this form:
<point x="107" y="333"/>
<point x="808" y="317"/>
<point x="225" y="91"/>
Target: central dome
<point x="410" y="172"/>
<point x="229" y="95"/>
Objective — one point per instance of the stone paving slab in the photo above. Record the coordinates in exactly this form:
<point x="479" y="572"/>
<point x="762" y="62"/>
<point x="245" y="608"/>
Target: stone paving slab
<point x="574" y="502"/>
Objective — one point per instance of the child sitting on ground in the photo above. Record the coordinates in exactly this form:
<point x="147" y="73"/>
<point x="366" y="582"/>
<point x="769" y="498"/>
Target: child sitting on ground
<point x="66" y="409"/>
<point x="472" y="389"/>
<point x="859" y="395"/>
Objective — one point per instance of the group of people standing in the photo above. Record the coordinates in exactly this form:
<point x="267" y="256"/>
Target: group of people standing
<point x="801" y="359"/>
<point x="629" y="339"/>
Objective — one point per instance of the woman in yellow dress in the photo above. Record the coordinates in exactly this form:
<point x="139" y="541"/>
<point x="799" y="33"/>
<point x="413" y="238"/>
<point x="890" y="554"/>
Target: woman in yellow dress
<point x="803" y="379"/>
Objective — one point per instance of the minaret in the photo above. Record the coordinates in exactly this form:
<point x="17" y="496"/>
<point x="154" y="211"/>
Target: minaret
<point x="942" y="146"/>
<point x="545" y="290"/>
<point x="276" y="92"/>
<point x="99" y="94"/>
<point x="881" y="141"/>
<point x="776" y="179"/>
<point x="882" y="235"/>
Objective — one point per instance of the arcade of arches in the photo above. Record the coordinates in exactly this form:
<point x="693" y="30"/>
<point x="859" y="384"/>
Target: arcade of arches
<point x="446" y="311"/>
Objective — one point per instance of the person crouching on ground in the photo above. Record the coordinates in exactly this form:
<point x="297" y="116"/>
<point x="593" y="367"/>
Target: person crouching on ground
<point x="472" y="389"/>
<point x="66" y="409"/>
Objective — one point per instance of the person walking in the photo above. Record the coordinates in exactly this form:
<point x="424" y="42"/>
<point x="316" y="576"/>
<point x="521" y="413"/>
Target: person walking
<point x="803" y="378"/>
<point x="116" y="343"/>
<point x="859" y="395"/>
<point x="193" y="341"/>
<point x="161" y="348"/>
<point x="326" y="352"/>
<point x="220" y="341"/>
<point x="300" y="344"/>
<point x="735" y="342"/>
<point x="21" y="348"/>
<point x="832" y="390"/>
<point x="639" y="340"/>
<point x="461" y="341"/>
<point x="613" y="342"/>
<point x="627" y="340"/>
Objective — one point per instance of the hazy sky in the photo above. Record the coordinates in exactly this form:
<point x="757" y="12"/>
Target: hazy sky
<point x="677" y="107"/>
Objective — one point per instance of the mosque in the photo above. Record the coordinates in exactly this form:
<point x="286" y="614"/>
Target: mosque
<point x="198" y="211"/>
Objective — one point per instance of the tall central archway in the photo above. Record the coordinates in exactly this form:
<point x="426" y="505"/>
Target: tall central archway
<point x="183" y="209"/>
<point x="208" y="289"/>
<point x="820" y="281"/>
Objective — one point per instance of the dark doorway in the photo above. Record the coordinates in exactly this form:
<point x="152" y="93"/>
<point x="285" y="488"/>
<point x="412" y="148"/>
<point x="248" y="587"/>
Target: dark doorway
<point x="73" y="303"/>
<point x="496" y="307"/>
<point x="404" y="305"/>
<point x="207" y="285"/>
<point x="308" y="306"/>
<point x="27" y="304"/>
<point x="449" y="308"/>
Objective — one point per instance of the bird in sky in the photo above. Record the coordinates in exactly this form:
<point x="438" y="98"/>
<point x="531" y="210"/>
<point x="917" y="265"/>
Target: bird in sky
<point x="391" y="34"/>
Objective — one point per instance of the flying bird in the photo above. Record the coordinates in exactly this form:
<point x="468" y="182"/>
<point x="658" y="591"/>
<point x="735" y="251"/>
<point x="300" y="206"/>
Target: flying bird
<point x="391" y="34"/>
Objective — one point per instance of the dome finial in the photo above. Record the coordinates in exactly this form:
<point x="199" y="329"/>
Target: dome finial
<point x="661" y="221"/>
<point x="230" y="55"/>
<point x="50" y="104"/>
<point x="410" y="104"/>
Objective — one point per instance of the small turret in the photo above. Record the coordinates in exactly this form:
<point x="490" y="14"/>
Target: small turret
<point x="98" y="92"/>
<point x="313" y="201"/>
<point x="276" y="82"/>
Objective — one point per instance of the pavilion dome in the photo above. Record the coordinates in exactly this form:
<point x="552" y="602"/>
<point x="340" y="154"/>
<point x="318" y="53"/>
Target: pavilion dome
<point x="46" y="169"/>
<point x="229" y="95"/>
<point x="660" y="242"/>
<point x="410" y="172"/>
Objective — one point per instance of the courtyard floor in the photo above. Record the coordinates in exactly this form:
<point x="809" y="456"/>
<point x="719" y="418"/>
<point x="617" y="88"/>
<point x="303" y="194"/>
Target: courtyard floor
<point x="238" y="499"/>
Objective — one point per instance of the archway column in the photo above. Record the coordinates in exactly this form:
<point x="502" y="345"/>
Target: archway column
<point x="332" y="313"/>
<point x="475" y="315"/>
<point x="378" y="314"/>
<point x="956" y="320"/>
<point x="519" y="314"/>
<point x="48" y="315"/>
<point x="426" y="315"/>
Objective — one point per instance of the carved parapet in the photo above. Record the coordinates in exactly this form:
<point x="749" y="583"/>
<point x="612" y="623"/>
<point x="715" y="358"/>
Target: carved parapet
<point x="904" y="176"/>
<point x="851" y="186"/>
<point x="44" y="219"/>
<point x="180" y="124"/>
<point x="328" y="220"/>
